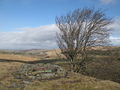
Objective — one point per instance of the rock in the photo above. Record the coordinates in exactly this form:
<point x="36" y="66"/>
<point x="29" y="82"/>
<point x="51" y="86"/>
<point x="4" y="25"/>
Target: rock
<point x="39" y="72"/>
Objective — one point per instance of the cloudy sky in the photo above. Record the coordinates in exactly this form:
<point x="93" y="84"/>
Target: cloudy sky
<point x="30" y="24"/>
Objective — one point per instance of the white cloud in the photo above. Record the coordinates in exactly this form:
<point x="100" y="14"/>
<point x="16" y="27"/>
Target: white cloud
<point x="115" y="40"/>
<point x="115" y="26"/>
<point x="115" y="33"/>
<point x="43" y="37"/>
<point x="28" y="38"/>
<point x="107" y="1"/>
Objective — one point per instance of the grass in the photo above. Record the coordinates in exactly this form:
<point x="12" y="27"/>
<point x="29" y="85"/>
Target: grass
<point x="17" y="57"/>
<point x="74" y="82"/>
<point x="102" y="68"/>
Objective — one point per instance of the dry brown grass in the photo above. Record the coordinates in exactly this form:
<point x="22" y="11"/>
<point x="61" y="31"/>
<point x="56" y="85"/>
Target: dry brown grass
<point x="17" y="57"/>
<point x="74" y="81"/>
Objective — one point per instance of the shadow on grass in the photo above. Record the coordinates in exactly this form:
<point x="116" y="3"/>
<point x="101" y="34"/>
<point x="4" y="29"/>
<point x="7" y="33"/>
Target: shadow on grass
<point x="104" y="69"/>
<point x="107" y="69"/>
<point x="33" y="62"/>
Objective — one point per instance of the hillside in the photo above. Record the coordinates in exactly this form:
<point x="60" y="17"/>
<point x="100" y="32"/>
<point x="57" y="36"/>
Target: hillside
<point x="102" y="72"/>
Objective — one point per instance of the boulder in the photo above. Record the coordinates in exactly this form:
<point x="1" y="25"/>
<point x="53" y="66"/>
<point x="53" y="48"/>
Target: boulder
<point x="40" y="72"/>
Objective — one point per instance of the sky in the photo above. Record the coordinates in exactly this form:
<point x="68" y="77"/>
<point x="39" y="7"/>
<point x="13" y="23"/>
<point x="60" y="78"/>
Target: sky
<point x="30" y="24"/>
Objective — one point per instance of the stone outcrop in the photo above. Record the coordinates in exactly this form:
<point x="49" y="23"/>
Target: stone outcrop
<point x="40" y="72"/>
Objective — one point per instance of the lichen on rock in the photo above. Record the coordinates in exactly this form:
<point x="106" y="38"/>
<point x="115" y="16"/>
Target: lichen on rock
<point x="40" y="72"/>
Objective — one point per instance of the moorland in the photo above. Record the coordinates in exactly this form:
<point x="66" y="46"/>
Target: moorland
<point x="102" y="72"/>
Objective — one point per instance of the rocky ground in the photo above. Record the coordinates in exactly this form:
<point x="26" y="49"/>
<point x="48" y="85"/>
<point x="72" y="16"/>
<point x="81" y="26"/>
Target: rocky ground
<point x="30" y="72"/>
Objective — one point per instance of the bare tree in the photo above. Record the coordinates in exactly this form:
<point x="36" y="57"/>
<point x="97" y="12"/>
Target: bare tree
<point x="80" y="29"/>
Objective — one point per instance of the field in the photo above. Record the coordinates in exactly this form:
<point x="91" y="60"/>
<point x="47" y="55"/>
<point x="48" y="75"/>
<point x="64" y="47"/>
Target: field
<point x="103" y="70"/>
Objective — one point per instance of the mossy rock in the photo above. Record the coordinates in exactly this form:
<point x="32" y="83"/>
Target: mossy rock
<point x="40" y="72"/>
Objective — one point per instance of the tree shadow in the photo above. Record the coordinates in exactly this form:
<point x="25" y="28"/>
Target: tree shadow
<point x="104" y="69"/>
<point x="33" y="62"/>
